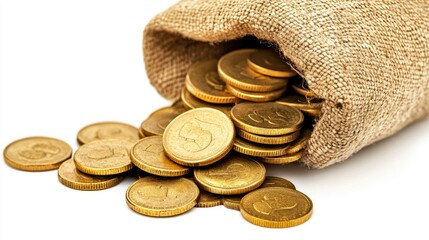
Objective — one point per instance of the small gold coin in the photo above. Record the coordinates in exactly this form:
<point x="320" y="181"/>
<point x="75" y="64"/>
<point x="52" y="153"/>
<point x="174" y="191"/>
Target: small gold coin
<point x="300" y="143"/>
<point x="269" y="62"/>
<point x="232" y="201"/>
<point x="191" y="102"/>
<point x="312" y="112"/>
<point x="107" y="130"/>
<point x="70" y="177"/>
<point x="276" y="207"/>
<point x="148" y="155"/>
<point x="284" y="159"/>
<point x="232" y="69"/>
<point x="271" y="181"/>
<point x="267" y="118"/>
<point x="300" y="102"/>
<point x="199" y="137"/>
<point x="256" y="96"/>
<point x="37" y="153"/>
<point x="208" y="199"/>
<point x="203" y="82"/>
<point x="157" y="121"/>
<point x="271" y="140"/>
<point x="259" y="150"/>
<point x="162" y="197"/>
<point x="104" y="157"/>
<point x="235" y="174"/>
<point x="302" y="88"/>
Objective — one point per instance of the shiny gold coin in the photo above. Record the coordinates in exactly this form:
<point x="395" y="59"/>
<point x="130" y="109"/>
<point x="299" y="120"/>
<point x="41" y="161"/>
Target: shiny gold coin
<point x="300" y="102"/>
<point x="302" y="88"/>
<point x="157" y="121"/>
<point x="191" y="102"/>
<point x="203" y="82"/>
<point x="259" y="150"/>
<point x="235" y="174"/>
<point x="271" y="181"/>
<point x="37" y="153"/>
<point x="70" y="177"/>
<point x="208" y="199"/>
<point x="312" y="112"/>
<point x="269" y="62"/>
<point x="199" y="137"/>
<point x="276" y="207"/>
<point x="300" y="143"/>
<point x="271" y="140"/>
<point x="141" y="134"/>
<point x="107" y="130"/>
<point x="256" y="96"/>
<point x="104" y="157"/>
<point x="267" y="118"/>
<point x="284" y="159"/>
<point x="232" y="201"/>
<point x="232" y="69"/>
<point x="162" y="197"/>
<point x="148" y="155"/>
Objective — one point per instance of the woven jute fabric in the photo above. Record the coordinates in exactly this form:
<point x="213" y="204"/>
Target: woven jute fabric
<point x="368" y="59"/>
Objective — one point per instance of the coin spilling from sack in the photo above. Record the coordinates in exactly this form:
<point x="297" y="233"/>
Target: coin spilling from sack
<point x="209" y="148"/>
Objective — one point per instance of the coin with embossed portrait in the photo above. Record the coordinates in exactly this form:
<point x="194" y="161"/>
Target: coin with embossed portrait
<point x="37" y="153"/>
<point x="104" y="157"/>
<point x="198" y="137"/>
<point x="107" y="130"/>
<point x="235" y="174"/>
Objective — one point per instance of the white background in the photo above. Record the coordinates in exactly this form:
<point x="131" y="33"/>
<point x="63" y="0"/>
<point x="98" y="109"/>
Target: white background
<point x="65" y="64"/>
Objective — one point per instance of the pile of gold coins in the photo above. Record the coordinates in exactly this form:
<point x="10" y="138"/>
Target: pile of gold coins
<point x="207" y="149"/>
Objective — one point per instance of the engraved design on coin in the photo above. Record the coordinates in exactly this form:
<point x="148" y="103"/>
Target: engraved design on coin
<point x="213" y="80"/>
<point x="104" y="152"/>
<point x="269" y="116"/>
<point x="39" y="151"/>
<point x="232" y="172"/>
<point x="106" y="133"/>
<point x="198" y="134"/>
<point x="159" y="193"/>
<point x="271" y="203"/>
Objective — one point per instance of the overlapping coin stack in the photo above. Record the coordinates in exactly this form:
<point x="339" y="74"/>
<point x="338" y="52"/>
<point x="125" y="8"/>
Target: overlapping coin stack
<point x="209" y="148"/>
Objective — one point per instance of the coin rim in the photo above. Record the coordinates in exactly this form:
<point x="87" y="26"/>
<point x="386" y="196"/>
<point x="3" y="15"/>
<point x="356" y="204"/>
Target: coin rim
<point x="270" y="140"/>
<point x="256" y="96"/>
<point x="303" y="91"/>
<point x="277" y="150"/>
<point x="284" y="159"/>
<point x="79" y="137"/>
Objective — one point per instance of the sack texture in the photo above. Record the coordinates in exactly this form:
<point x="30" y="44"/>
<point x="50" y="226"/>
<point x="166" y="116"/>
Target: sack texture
<point x="369" y="60"/>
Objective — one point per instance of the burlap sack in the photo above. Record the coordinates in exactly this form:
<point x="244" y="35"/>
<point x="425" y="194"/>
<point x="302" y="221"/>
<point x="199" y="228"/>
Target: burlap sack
<point x="368" y="59"/>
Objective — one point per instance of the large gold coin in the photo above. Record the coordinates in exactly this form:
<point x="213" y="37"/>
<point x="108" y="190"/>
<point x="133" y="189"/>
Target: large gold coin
<point x="199" y="137"/>
<point x="191" y="102"/>
<point x="107" y="130"/>
<point x="271" y="140"/>
<point x="69" y="176"/>
<point x="157" y="121"/>
<point x="104" y="157"/>
<point x="162" y="197"/>
<point x="300" y="102"/>
<point x="203" y="82"/>
<point x="300" y="143"/>
<point x="235" y="174"/>
<point x="284" y="159"/>
<point x="259" y="150"/>
<point x="256" y="96"/>
<point x="37" y="153"/>
<point x="276" y="207"/>
<point x="148" y="155"/>
<point x="267" y="118"/>
<point x="271" y="181"/>
<point x="269" y="62"/>
<point x="232" y="68"/>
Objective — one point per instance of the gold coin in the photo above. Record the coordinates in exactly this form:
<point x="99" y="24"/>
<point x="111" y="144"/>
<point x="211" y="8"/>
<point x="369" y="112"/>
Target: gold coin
<point x="157" y="121"/>
<point x="276" y="207"/>
<point x="312" y="112"/>
<point x="104" y="157"/>
<point x="267" y="118"/>
<point x="235" y="174"/>
<point x="271" y="181"/>
<point x="203" y="82"/>
<point x="191" y="102"/>
<point x="259" y="150"/>
<point x="107" y="130"/>
<point x="148" y="155"/>
<point x="37" y="153"/>
<point x="272" y="140"/>
<point x="208" y="199"/>
<point x="256" y="96"/>
<point x="232" y="69"/>
<point x="162" y="197"/>
<point x="141" y="134"/>
<point x="232" y="201"/>
<point x="284" y="159"/>
<point x="300" y="102"/>
<point x="70" y="177"/>
<point x="269" y="62"/>
<point x="300" y="143"/>
<point x="199" y="137"/>
<point x="302" y="88"/>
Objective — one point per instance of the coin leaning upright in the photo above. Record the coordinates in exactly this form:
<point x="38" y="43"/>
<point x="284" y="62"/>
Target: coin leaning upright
<point x="199" y="137"/>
